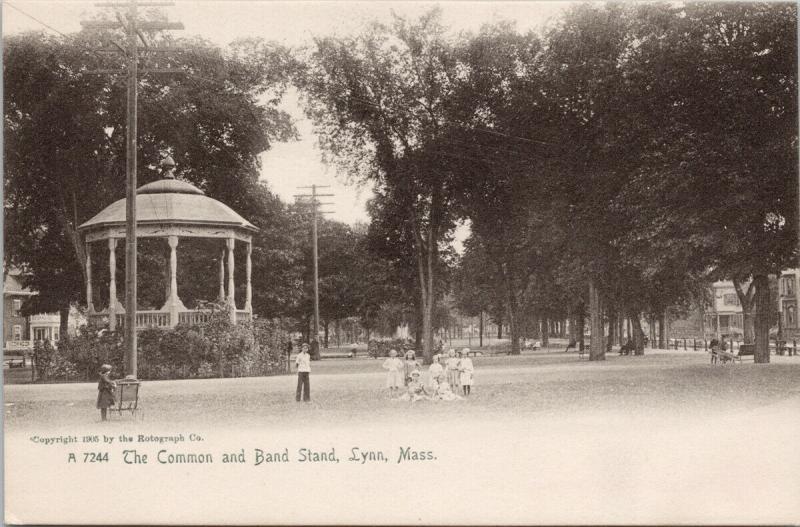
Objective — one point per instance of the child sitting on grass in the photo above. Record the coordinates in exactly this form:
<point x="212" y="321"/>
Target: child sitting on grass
<point x="444" y="393"/>
<point x="416" y="391"/>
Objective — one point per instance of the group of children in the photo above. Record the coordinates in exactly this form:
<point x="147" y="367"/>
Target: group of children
<point x="446" y="376"/>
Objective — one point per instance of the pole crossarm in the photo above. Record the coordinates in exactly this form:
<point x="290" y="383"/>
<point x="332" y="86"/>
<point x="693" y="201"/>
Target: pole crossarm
<point x="163" y="70"/>
<point x="140" y="4"/>
<point x="158" y="26"/>
<point x="98" y="24"/>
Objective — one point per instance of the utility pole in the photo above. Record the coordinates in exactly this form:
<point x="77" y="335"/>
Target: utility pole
<point x="315" y="212"/>
<point x="133" y="29"/>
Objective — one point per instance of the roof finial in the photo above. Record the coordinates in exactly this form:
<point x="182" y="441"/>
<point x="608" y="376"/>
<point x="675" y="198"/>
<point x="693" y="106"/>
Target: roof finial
<point x="168" y="167"/>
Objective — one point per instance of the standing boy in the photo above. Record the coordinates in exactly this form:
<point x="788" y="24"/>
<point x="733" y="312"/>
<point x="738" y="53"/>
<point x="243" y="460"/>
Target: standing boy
<point x="303" y="362"/>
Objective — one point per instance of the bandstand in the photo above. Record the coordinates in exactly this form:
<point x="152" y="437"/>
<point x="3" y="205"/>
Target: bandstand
<point x="173" y="210"/>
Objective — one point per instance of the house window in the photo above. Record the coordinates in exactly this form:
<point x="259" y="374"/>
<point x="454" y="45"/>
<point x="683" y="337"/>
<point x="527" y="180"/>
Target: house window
<point x="39" y="334"/>
<point x="788" y="285"/>
<point x="55" y="334"/>
<point x="790" y="318"/>
<point x="17" y="334"/>
<point x="17" y="307"/>
<point x="730" y="299"/>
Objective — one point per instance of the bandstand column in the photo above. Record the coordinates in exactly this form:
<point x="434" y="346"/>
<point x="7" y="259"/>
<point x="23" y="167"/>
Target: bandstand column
<point x="173" y="280"/>
<point x="112" y="284"/>
<point x="222" y="277"/>
<point x="248" y="306"/>
<point x="89" y="304"/>
<point x="229" y="243"/>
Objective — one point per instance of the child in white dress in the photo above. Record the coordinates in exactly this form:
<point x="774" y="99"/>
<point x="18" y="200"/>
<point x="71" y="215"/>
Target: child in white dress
<point x="466" y="369"/>
<point x="395" y="372"/>
<point x="451" y="369"/>
<point x="436" y="373"/>
<point x="410" y="365"/>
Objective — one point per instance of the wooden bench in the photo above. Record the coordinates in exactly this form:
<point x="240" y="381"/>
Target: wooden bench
<point x="746" y="350"/>
<point x="723" y="356"/>
<point x="627" y="348"/>
<point x="15" y="361"/>
<point x="338" y="355"/>
<point x="126" y="397"/>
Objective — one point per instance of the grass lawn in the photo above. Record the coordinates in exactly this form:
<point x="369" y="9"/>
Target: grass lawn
<point x="352" y="389"/>
<point x="544" y="438"/>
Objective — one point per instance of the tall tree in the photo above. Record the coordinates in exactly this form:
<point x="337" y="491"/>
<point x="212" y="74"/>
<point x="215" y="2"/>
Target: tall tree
<point x="377" y="101"/>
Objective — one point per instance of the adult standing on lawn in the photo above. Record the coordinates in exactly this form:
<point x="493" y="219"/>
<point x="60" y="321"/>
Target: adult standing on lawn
<point x="303" y="362"/>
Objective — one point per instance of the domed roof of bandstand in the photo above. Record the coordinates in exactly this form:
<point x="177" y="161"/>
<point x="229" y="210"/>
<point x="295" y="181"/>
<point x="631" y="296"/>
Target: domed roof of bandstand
<point x="171" y="201"/>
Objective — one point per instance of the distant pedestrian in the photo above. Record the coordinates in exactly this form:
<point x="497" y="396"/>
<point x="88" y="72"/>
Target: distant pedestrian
<point x="466" y="370"/>
<point x="105" y="391"/>
<point x="714" y="344"/>
<point x="303" y="362"/>
<point x="395" y="371"/>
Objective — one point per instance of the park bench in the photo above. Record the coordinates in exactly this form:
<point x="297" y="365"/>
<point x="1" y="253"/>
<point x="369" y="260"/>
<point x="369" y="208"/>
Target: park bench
<point x="722" y="356"/>
<point x="627" y="348"/>
<point x="746" y="350"/>
<point x="126" y="397"/>
<point x="15" y="361"/>
<point x="338" y="355"/>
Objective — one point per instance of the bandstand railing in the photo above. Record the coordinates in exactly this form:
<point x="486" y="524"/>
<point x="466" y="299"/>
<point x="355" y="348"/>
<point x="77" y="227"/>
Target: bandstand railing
<point x="148" y="319"/>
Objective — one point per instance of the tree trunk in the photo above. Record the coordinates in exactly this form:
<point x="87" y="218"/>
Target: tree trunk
<point x="581" y="327"/>
<point x="763" y="310"/>
<point x="325" y="325"/>
<point x="662" y="330"/>
<point x="596" y="348"/>
<point x="480" y="334"/>
<point x="545" y="332"/>
<point x="638" y="334"/>
<point x="63" y="329"/>
<point x="612" y="332"/>
<point x="747" y="300"/>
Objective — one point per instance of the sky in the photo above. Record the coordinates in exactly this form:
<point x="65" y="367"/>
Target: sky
<point x="289" y="165"/>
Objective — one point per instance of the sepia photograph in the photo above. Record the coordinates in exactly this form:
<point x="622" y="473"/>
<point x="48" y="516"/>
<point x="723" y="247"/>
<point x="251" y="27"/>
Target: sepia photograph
<point x="400" y="262"/>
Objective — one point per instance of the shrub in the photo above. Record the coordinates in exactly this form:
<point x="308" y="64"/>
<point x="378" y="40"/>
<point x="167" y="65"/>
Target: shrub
<point x="215" y="348"/>
<point x="381" y="348"/>
<point x="43" y="353"/>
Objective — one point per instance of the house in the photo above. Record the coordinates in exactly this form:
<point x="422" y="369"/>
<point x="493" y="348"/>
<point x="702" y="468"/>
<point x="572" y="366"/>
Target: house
<point x="787" y="300"/>
<point x="20" y="332"/>
<point x="724" y="318"/>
